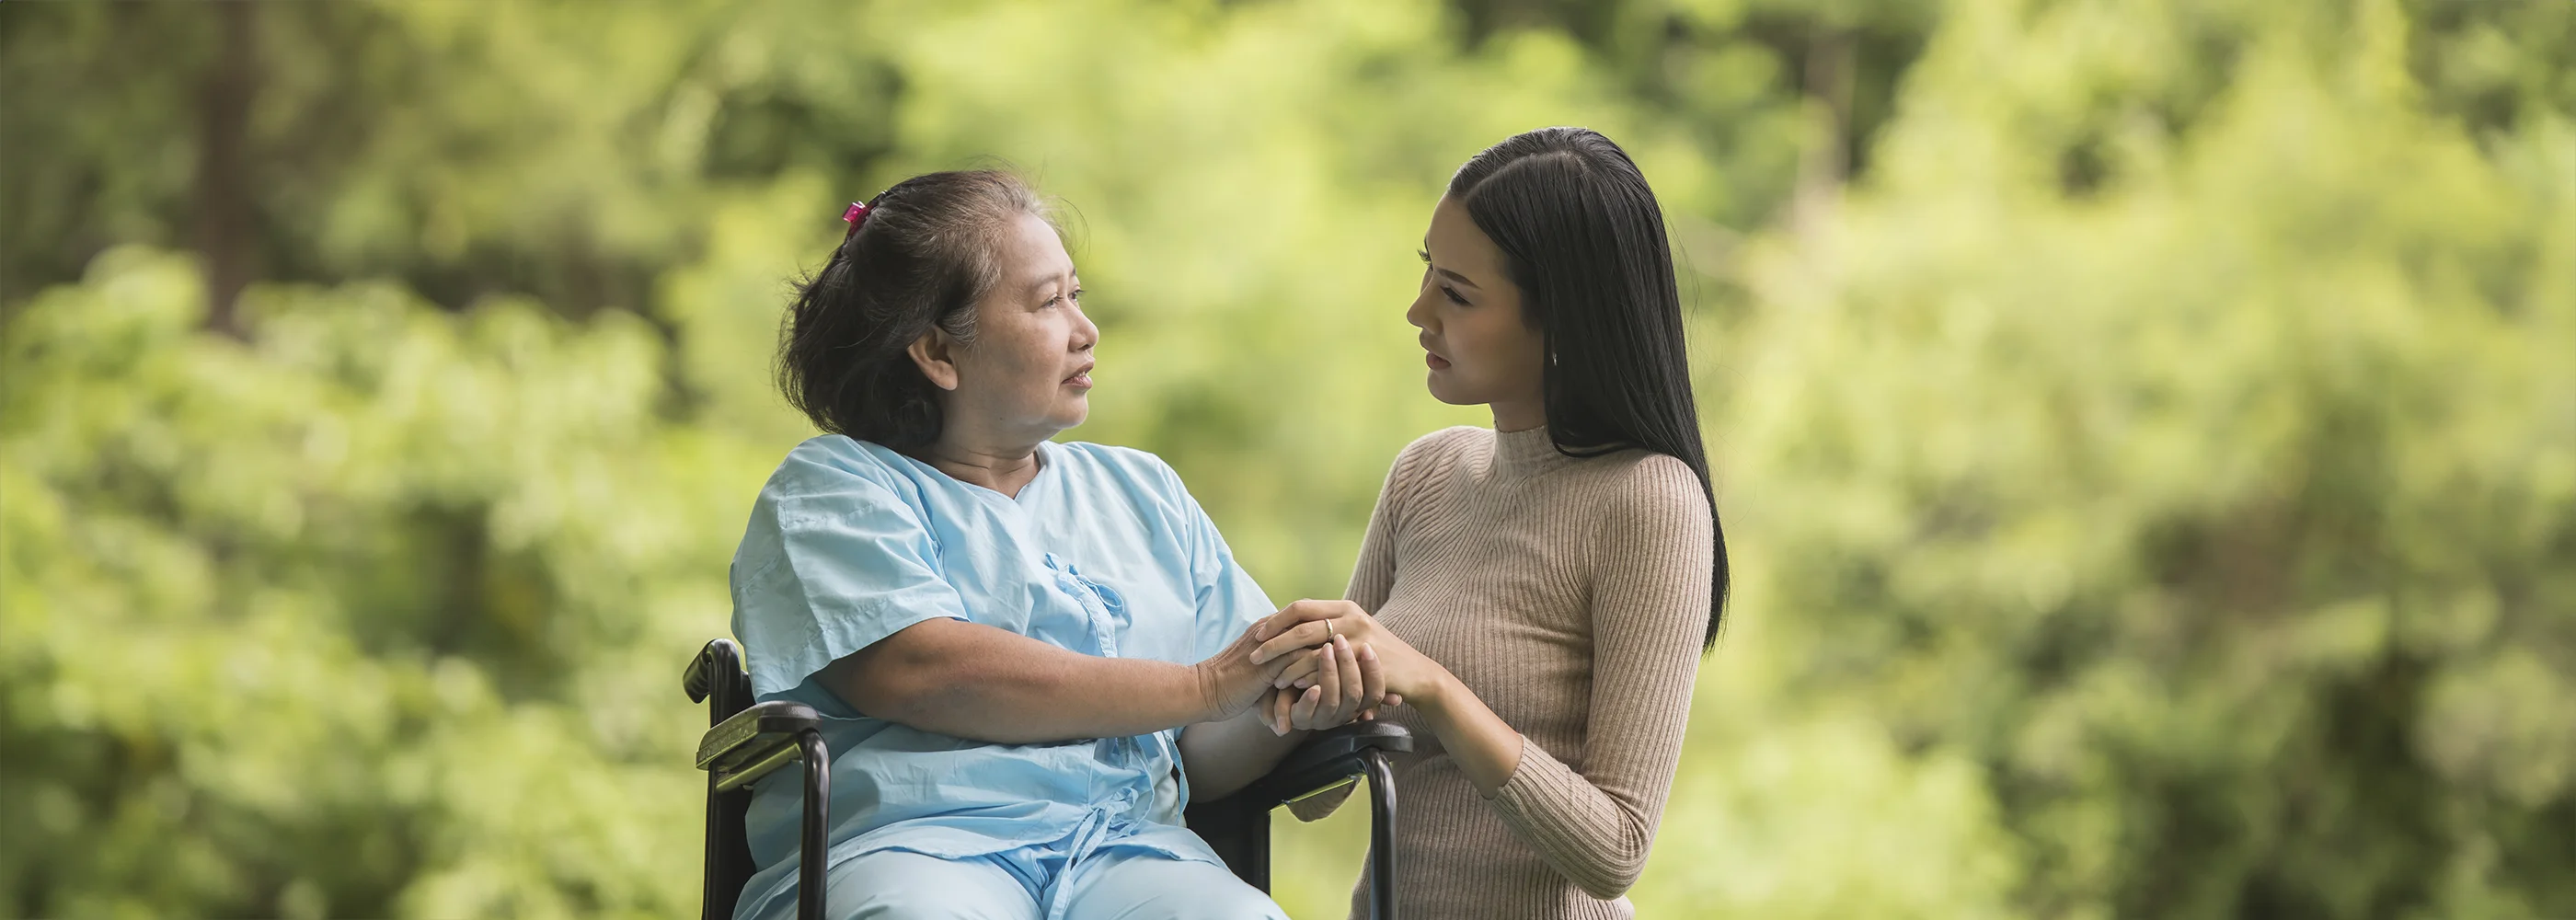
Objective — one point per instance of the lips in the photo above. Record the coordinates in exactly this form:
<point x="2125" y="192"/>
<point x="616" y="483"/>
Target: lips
<point x="1082" y="377"/>
<point x="1433" y="358"/>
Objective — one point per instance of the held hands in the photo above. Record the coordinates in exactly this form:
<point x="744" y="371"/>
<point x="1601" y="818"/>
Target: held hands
<point x="1347" y="684"/>
<point x="1340" y="665"/>
<point x="1232" y="681"/>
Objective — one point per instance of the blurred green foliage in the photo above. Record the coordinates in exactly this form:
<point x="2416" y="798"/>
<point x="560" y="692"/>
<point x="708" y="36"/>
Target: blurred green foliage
<point x="2147" y="429"/>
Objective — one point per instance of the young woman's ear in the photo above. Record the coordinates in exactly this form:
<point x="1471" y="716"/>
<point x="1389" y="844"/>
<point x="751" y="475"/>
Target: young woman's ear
<point x="936" y="354"/>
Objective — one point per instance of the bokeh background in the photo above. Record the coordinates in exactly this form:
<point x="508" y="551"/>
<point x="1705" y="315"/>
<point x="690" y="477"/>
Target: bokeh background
<point x="2146" y="428"/>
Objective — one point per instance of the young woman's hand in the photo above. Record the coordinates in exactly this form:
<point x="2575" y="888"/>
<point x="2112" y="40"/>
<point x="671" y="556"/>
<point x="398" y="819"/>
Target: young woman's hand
<point x="1486" y="748"/>
<point x="1347" y="685"/>
<point x="1307" y="623"/>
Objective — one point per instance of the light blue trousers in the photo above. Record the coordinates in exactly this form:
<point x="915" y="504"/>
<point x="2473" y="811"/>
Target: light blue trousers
<point x="1110" y="884"/>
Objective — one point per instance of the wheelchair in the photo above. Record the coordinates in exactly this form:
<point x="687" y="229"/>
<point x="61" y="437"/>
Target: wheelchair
<point x="750" y="740"/>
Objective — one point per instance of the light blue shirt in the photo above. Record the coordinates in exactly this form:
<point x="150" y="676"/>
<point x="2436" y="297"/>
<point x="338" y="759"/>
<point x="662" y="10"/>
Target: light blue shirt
<point x="1103" y="553"/>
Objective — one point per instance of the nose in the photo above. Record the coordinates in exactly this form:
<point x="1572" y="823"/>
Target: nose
<point x="1085" y="333"/>
<point x="1419" y="313"/>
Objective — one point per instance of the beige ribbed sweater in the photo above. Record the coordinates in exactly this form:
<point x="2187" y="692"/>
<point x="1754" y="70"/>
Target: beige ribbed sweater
<point x="1571" y="596"/>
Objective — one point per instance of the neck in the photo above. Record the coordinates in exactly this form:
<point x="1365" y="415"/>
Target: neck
<point x="1519" y="415"/>
<point x="1004" y="466"/>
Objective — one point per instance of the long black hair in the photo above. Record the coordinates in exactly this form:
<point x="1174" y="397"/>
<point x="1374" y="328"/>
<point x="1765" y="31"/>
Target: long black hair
<point x="1584" y="240"/>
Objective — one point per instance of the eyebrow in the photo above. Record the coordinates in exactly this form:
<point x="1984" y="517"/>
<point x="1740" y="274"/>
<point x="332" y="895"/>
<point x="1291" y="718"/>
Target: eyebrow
<point x="1453" y="276"/>
<point x="1073" y="280"/>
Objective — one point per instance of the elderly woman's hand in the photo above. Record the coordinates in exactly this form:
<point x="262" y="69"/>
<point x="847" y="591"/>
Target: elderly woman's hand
<point x="1237" y="679"/>
<point x="1346" y="684"/>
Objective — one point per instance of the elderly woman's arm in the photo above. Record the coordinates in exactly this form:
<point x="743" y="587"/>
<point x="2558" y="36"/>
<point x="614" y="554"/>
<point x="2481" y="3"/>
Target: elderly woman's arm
<point x="975" y="681"/>
<point x="1222" y="757"/>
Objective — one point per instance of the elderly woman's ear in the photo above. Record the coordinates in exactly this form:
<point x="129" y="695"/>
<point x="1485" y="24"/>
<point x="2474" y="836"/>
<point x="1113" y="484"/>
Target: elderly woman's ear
<point x="935" y="353"/>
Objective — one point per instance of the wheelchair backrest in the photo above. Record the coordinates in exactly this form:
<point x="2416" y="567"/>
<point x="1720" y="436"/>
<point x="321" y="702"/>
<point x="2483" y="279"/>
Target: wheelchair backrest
<point x="716" y="676"/>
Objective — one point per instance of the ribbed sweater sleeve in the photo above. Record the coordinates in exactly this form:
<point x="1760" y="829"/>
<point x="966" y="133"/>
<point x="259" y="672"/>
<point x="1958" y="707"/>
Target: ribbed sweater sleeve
<point x="1650" y="605"/>
<point x="1374" y="575"/>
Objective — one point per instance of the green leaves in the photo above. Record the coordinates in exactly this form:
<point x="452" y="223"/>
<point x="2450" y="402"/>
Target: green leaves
<point x="2153" y="479"/>
<point x="318" y="624"/>
<point x="2164" y="498"/>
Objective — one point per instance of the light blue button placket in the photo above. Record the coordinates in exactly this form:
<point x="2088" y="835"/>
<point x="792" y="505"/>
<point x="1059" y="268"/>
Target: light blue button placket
<point x="1101" y="604"/>
<point x="1106" y="609"/>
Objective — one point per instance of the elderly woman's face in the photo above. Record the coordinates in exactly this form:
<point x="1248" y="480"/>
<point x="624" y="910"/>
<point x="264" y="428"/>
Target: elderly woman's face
<point x="1027" y="371"/>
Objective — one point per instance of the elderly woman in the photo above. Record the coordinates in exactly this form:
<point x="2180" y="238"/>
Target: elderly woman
<point x="1029" y="654"/>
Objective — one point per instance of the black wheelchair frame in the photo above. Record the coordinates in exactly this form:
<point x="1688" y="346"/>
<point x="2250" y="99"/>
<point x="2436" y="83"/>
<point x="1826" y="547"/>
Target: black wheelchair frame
<point x="750" y="740"/>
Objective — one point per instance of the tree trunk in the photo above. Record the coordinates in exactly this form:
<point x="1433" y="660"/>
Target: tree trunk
<point x="1826" y="161"/>
<point x="225" y="231"/>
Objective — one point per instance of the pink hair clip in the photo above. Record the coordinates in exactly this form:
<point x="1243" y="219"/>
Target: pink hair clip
<point x="856" y="215"/>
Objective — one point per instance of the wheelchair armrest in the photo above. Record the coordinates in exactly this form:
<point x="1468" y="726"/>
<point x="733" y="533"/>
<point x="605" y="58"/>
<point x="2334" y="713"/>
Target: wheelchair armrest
<point x="754" y="742"/>
<point x="1326" y="761"/>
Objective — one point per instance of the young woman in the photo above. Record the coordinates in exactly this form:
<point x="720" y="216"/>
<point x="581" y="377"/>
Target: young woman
<point x="1539" y="594"/>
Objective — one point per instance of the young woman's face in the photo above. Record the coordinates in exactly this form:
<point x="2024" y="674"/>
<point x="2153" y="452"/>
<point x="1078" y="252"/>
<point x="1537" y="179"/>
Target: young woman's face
<point x="1026" y="373"/>
<point x="1469" y="311"/>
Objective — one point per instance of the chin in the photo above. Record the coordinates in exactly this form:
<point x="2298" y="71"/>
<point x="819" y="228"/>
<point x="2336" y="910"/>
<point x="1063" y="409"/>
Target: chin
<point x="1446" y="393"/>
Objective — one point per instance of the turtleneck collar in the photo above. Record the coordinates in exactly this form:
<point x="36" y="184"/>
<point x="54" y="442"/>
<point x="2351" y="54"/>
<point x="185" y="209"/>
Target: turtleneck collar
<point x="1526" y="453"/>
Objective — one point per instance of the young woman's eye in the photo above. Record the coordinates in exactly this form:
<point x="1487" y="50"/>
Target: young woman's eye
<point x="1452" y="294"/>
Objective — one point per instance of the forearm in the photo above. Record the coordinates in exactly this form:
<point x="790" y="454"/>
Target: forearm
<point x="1047" y="700"/>
<point x="1595" y="839"/>
<point x="983" y="683"/>
<point x="1485" y="748"/>
<point x="1224" y="756"/>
